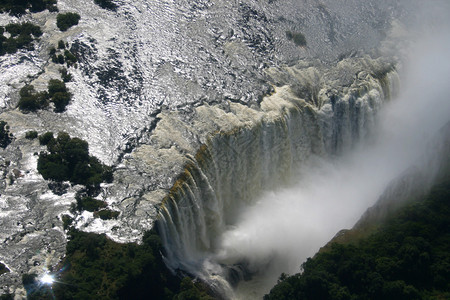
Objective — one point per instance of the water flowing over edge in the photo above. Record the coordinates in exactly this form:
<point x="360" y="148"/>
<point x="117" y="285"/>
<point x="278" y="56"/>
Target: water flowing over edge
<point x="233" y="167"/>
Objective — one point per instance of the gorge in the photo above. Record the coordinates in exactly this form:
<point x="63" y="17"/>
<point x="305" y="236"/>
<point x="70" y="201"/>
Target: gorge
<point x="247" y="149"/>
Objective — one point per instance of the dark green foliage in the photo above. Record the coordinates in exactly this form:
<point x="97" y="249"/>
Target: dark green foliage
<point x="22" y="36"/>
<point x="68" y="159"/>
<point x="3" y="269"/>
<point x="65" y="75"/>
<point x="61" y="44"/>
<point x="56" y="86"/>
<point x="67" y="20"/>
<point x="89" y="204"/>
<point x="35" y="290"/>
<point x="59" y="59"/>
<point x="5" y="136"/>
<point x="67" y="221"/>
<point x="52" y="51"/>
<point x="28" y="279"/>
<point x="70" y="58"/>
<point x="7" y="297"/>
<point x="58" y="94"/>
<point x="63" y="55"/>
<point x="31" y="135"/>
<point x="19" y="7"/>
<point x="98" y="268"/>
<point x="30" y="100"/>
<point x="407" y="258"/>
<point x="23" y="29"/>
<point x="106" y="4"/>
<point x="190" y="291"/>
<point x="46" y="138"/>
<point x="61" y="100"/>
<point x="297" y="37"/>
<point x="106" y="214"/>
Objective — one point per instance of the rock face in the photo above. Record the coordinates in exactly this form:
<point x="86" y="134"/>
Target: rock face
<point x="157" y="81"/>
<point x="261" y="150"/>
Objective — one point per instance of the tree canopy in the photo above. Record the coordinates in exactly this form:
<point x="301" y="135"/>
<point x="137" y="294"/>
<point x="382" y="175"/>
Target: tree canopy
<point x="19" y="7"/>
<point x="5" y="135"/>
<point x="58" y="94"/>
<point x="21" y="37"/>
<point x="68" y="159"/>
<point x="407" y="258"/>
<point x="67" y="20"/>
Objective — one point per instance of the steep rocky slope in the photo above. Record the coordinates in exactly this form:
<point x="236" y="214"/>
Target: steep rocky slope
<point x="156" y="80"/>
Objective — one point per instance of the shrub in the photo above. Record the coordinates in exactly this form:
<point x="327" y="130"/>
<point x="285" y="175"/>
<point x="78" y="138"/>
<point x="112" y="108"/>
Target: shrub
<point x="70" y="58"/>
<point x="69" y="160"/>
<point x="61" y="100"/>
<point x="106" y="4"/>
<point x="5" y="135"/>
<point x="297" y="37"/>
<point x="56" y="86"/>
<point x="67" y="221"/>
<point x="30" y="100"/>
<point x="23" y="29"/>
<point x="7" y="296"/>
<point x="106" y="214"/>
<point x="60" y="59"/>
<point x="46" y="138"/>
<point x="67" y="20"/>
<point x="17" y="8"/>
<point x="89" y="203"/>
<point x="61" y="44"/>
<point x="58" y="94"/>
<point x="65" y="75"/>
<point x="22" y="36"/>
<point x="52" y="51"/>
<point x="31" y="135"/>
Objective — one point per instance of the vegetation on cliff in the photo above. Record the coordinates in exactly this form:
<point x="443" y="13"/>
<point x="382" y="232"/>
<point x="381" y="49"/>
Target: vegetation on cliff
<point x="406" y="258"/>
<point x="96" y="267"/>
<point x="21" y="36"/>
<point x="62" y="55"/>
<point x="68" y="159"/>
<point x="5" y="135"/>
<point x="57" y="93"/>
<point x="106" y="4"/>
<point x="67" y="20"/>
<point x="18" y="8"/>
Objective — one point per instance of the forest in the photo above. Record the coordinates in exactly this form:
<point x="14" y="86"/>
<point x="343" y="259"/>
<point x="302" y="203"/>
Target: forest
<point x="408" y="257"/>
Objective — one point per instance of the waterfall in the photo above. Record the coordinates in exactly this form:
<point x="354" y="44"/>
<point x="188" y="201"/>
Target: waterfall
<point x="232" y="168"/>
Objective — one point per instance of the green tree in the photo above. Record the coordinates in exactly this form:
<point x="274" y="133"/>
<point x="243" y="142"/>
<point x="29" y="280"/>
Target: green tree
<point x="67" y="20"/>
<point x="56" y="86"/>
<point x="61" y="100"/>
<point x="106" y="4"/>
<point x="46" y="138"/>
<point x="5" y="136"/>
<point x="69" y="160"/>
<point x="31" y="135"/>
<point x="408" y="257"/>
<point x="30" y="100"/>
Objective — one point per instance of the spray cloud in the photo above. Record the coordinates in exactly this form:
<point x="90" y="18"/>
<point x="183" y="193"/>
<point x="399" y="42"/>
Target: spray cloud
<point x="286" y="226"/>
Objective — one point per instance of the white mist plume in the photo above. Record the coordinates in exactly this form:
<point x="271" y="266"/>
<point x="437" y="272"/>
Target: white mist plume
<point x="286" y="226"/>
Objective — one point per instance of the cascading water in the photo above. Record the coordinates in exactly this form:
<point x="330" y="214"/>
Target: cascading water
<point x="232" y="169"/>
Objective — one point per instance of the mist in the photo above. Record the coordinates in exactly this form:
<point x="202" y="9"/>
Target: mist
<point x="286" y="226"/>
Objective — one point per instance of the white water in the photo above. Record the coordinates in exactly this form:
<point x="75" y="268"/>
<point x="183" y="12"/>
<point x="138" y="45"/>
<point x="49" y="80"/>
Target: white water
<point x="285" y="227"/>
<point x="214" y="229"/>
